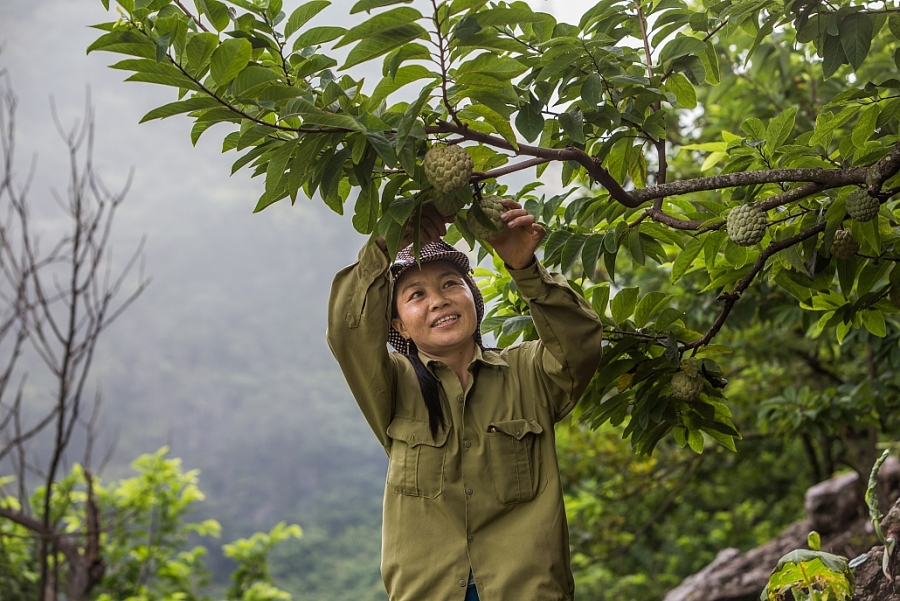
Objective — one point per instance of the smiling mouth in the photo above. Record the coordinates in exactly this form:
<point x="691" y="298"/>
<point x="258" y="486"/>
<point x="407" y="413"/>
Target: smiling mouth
<point x="444" y="321"/>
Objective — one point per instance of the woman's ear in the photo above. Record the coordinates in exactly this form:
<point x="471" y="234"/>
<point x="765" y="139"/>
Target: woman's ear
<point x="398" y="325"/>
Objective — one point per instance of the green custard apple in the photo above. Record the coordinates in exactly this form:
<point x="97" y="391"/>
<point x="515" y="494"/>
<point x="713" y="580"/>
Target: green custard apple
<point x="448" y="168"/>
<point x="844" y="246"/>
<point x="447" y="204"/>
<point x="861" y="206"/>
<point x="686" y="387"/>
<point x="746" y="225"/>
<point x="492" y="208"/>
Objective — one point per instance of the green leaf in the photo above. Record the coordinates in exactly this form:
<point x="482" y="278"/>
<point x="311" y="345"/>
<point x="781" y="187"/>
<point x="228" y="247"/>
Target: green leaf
<point x="318" y="35"/>
<point x="125" y="42"/>
<point x="684" y="92"/>
<point x="496" y="121"/>
<point x="498" y="67"/>
<point x="252" y="78"/>
<point x="382" y="43"/>
<point x="572" y="123"/>
<point x="182" y="106"/>
<point x="229" y="59"/>
<point x="865" y="126"/>
<point x="695" y="440"/>
<point x="648" y="306"/>
<point x="873" y="320"/>
<point x="590" y="253"/>
<point x="529" y="122"/>
<point x="592" y="89"/>
<point x="405" y="75"/>
<point x="278" y="165"/>
<point x="833" y="55"/>
<point x="365" y="212"/>
<point x="856" y="37"/>
<point x="216" y="12"/>
<point x="302" y="14"/>
<point x="710" y="61"/>
<point x="386" y="21"/>
<point x="367" y="5"/>
<point x="412" y="113"/>
<point x="623" y="304"/>
<point x="780" y="128"/>
<point x="199" y="49"/>
<point x="383" y="148"/>
<point x="571" y="250"/>
<point x="685" y="258"/>
<point x="600" y="298"/>
<point x="826" y="123"/>
<point x="681" y="46"/>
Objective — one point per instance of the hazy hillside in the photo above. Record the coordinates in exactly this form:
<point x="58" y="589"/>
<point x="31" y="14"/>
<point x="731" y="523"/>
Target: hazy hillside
<point x="224" y="356"/>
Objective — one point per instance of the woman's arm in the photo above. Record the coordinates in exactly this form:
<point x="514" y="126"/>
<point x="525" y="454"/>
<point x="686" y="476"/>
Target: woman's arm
<point x="358" y="321"/>
<point x="570" y="331"/>
<point x="359" y="315"/>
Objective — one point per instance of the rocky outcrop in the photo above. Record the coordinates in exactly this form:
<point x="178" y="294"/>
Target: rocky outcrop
<point x="834" y="508"/>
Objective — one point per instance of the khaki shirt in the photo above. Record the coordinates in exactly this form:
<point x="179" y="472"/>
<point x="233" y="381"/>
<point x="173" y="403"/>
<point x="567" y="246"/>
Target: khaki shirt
<point x="486" y="494"/>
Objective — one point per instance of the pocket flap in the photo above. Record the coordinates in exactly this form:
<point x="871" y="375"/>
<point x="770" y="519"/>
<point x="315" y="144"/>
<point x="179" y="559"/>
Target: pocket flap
<point x="415" y="432"/>
<point x="517" y="428"/>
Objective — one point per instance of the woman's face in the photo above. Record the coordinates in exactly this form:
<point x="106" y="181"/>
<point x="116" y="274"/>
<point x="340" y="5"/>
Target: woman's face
<point x="435" y="309"/>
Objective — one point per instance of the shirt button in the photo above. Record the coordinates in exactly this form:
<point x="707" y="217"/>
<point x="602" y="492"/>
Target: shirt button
<point x="377" y="265"/>
<point x="462" y="583"/>
<point x="469" y="491"/>
<point x="467" y="444"/>
<point x="459" y="399"/>
<point x="471" y="538"/>
<point x="517" y="432"/>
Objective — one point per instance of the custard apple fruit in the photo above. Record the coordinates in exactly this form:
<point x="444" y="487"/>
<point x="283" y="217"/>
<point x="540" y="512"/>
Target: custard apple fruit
<point x="861" y="206"/>
<point x="746" y="225"/>
<point x="492" y="208"/>
<point x="686" y="387"/>
<point x="446" y="204"/>
<point x="448" y="168"/>
<point x="894" y="296"/>
<point x="844" y="246"/>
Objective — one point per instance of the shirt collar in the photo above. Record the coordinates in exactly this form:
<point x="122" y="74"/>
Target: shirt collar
<point x="488" y="357"/>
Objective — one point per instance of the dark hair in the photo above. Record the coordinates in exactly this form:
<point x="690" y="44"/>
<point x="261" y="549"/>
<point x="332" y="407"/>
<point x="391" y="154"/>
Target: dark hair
<point x="428" y="382"/>
<point x="431" y="392"/>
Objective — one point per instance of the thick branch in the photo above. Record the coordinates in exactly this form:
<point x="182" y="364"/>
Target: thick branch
<point x="591" y="165"/>
<point x="730" y="298"/>
<point x="830" y="178"/>
<point x="501" y="171"/>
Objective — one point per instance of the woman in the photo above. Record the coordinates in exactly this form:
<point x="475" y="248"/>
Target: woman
<point x="473" y="506"/>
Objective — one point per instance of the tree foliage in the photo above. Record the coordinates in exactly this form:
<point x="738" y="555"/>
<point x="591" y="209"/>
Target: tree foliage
<point x="145" y="539"/>
<point x="662" y="116"/>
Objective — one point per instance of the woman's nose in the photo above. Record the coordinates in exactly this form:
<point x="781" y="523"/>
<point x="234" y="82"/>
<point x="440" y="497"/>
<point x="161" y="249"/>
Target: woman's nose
<point x="439" y="300"/>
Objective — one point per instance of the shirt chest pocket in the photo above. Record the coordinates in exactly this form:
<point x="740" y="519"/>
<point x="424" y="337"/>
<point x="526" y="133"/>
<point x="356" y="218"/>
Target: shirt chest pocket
<point x="515" y="459"/>
<point x="417" y="459"/>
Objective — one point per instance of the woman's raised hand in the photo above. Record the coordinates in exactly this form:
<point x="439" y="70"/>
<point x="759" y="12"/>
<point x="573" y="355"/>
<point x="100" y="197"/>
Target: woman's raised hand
<point x="432" y="228"/>
<point x="517" y="243"/>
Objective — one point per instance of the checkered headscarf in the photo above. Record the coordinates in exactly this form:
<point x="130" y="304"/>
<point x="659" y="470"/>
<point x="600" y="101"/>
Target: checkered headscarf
<point x="435" y="251"/>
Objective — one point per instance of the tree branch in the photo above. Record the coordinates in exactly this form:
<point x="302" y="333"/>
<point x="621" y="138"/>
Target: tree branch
<point x="830" y="178"/>
<point x="730" y="298"/>
<point x="501" y="171"/>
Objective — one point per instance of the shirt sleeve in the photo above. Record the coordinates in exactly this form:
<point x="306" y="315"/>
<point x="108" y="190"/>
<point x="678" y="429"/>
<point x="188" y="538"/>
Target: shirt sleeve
<point x="358" y="322"/>
<point x="570" y="334"/>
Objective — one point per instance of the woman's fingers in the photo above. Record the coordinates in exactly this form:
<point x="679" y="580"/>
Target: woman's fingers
<point x="431" y="227"/>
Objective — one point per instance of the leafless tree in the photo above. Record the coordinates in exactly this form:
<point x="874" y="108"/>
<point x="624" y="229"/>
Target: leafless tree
<point x="55" y="302"/>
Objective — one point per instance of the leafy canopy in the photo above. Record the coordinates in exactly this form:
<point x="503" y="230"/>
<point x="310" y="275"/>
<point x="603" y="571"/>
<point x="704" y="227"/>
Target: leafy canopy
<point x="662" y="115"/>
